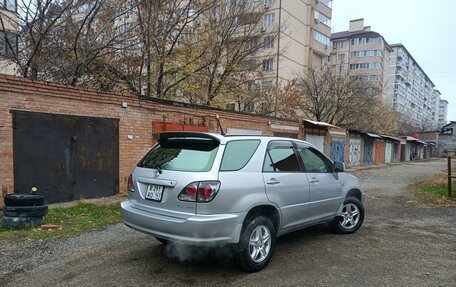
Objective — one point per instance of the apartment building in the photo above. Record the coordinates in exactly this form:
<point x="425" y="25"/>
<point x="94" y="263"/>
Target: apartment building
<point x="443" y="113"/>
<point x="360" y="52"/>
<point x="8" y="36"/>
<point x="303" y="38"/>
<point x="410" y="91"/>
<point x="435" y="108"/>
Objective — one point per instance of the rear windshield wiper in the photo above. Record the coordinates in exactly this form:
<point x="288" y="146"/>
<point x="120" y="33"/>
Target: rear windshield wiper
<point x="157" y="167"/>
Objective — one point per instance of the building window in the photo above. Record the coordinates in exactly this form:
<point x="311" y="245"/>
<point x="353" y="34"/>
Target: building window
<point x="8" y="44"/>
<point x="366" y="53"/>
<point x="334" y="44"/>
<point x="249" y="107"/>
<point x="341" y="58"/>
<point x="365" y="66"/>
<point x="10" y="5"/>
<point x="266" y="86"/>
<point x="322" y="18"/>
<point x="251" y="86"/>
<point x="341" y="44"/>
<point x="327" y="60"/>
<point x="231" y="107"/>
<point x="268" y="20"/>
<point x="340" y="69"/>
<point x="268" y="42"/>
<point x="319" y="37"/>
<point x="327" y="3"/>
<point x="268" y="65"/>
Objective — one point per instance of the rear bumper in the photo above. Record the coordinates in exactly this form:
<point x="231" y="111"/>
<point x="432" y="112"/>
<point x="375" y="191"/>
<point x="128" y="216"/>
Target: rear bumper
<point x="198" y="229"/>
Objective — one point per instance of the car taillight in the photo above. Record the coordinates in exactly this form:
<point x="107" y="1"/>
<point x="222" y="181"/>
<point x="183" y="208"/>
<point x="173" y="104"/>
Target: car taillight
<point x="189" y="192"/>
<point x="131" y="187"/>
<point x="201" y="191"/>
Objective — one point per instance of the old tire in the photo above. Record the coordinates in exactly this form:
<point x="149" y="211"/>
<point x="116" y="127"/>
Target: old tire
<point x="17" y="199"/>
<point x="21" y="222"/>
<point x="25" y="211"/>
<point x="257" y="242"/>
<point x="351" y="219"/>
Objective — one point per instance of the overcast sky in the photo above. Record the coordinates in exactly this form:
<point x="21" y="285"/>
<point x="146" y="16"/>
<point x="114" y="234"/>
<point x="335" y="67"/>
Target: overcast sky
<point x="426" y="28"/>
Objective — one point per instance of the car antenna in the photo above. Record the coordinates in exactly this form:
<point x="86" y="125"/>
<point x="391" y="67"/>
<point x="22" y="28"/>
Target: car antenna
<point x="217" y="117"/>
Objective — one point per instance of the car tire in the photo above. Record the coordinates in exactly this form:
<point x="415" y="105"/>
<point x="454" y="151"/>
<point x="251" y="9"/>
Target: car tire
<point x="162" y="241"/>
<point x="351" y="219"/>
<point x="21" y="222"/>
<point x="257" y="242"/>
<point x="17" y="199"/>
<point x="25" y="211"/>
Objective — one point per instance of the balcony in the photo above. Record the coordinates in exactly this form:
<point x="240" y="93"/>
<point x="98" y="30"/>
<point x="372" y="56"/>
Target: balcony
<point x="407" y="81"/>
<point x="321" y="49"/>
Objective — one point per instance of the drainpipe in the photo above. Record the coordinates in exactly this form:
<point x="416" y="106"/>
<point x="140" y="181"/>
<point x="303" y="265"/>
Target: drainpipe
<point x="278" y="48"/>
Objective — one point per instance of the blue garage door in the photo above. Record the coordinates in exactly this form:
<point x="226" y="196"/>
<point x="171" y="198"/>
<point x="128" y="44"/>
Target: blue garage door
<point x="368" y="152"/>
<point x="337" y="149"/>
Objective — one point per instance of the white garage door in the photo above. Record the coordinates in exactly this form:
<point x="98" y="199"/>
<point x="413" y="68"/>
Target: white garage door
<point x="316" y="141"/>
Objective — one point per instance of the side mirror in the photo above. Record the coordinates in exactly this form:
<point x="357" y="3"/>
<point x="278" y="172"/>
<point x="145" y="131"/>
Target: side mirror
<point x="339" y="166"/>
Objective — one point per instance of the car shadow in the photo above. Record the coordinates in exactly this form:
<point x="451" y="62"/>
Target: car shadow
<point x="223" y="257"/>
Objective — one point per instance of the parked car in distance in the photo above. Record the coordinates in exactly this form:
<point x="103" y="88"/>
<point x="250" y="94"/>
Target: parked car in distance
<point x="210" y="189"/>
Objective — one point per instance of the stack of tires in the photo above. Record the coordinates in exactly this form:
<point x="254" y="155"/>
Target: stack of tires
<point x="23" y="210"/>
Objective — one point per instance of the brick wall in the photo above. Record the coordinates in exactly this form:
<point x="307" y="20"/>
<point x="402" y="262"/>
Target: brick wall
<point x="135" y="121"/>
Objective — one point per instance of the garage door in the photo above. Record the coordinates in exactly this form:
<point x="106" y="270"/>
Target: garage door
<point x="65" y="157"/>
<point x="354" y="154"/>
<point x="337" y="149"/>
<point x="317" y="141"/>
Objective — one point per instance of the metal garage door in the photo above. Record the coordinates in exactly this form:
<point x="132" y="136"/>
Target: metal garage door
<point x="388" y="152"/>
<point x="354" y="154"/>
<point x="337" y="149"/>
<point x="317" y="141"/>
<point x="65" y="157"/>
<point x="368" y="152"/>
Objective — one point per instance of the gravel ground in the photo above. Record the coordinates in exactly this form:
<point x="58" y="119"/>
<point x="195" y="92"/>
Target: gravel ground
<point x="400" y="244"/>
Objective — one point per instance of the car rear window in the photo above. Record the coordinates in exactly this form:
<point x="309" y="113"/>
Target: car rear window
<point x="182" y="154"/>
<point x="237" y="154"/>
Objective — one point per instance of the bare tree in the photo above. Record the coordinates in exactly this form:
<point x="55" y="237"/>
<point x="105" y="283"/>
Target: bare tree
<point x="231" y="37"/>
<point x="201" y="51"/>
<point x="344" y="100"/>
<point x="163" y="29"/>
<point x="32" y="27"/>
<point x="65" y="41"/>
<point x="275" y="101"/>
<point x="87" y="41"/>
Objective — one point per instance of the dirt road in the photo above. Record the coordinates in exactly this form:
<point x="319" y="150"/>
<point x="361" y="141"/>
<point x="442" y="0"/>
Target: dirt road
<point x="399" y="244"/>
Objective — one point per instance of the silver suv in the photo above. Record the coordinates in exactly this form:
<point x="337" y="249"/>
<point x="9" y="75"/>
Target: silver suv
<point x="210" y="189"/>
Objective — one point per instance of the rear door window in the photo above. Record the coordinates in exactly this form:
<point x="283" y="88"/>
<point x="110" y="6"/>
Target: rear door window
<point x="238" y="153"/>
<point x="281" y="157"/>
<point x="182" y="154"/>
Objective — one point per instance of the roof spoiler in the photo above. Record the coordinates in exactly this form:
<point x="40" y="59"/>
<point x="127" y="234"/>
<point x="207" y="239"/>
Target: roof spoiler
<point x="168" y="135"/>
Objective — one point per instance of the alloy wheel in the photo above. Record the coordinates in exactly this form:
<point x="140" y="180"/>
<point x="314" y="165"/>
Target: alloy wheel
<point x="350" y="216"/>
<point x="259" y="243"/>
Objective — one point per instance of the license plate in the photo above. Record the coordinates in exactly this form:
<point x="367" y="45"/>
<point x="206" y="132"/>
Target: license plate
<point x="154" y="192"/>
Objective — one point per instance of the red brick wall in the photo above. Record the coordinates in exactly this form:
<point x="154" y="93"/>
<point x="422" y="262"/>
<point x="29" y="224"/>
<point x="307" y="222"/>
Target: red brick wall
<point x="135" y="120"/>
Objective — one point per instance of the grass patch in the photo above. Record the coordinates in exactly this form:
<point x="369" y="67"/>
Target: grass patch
<point x="80" y="218"/>
<point x="440" y="190"/>
<point x="434" y="193"/>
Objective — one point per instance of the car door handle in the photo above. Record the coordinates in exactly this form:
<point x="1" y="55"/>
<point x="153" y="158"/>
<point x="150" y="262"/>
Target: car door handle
<point x="272" y="181"/>
<point x="313" y="180"/>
